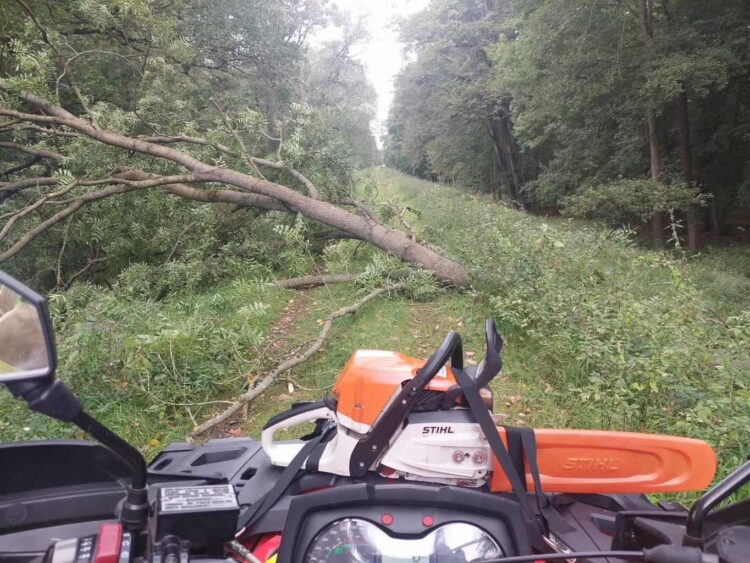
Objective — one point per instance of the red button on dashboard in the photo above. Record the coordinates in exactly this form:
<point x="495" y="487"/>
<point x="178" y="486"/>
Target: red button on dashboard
<point x="427" y="520"/>
<point x="386" y="519"/>
<point x="108" y="543"/>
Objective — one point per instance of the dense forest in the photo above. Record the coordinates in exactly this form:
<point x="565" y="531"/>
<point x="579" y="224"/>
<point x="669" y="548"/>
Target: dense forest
<point x="627" y="111"/>
<point x="168" y="166"/>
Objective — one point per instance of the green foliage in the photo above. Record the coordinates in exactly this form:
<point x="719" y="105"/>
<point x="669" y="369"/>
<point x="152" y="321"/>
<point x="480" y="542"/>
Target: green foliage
<point x="143" y="366"/>
<point x="572" y="83"/>
<point x="149" y="68"/>
<point x="631" y="200"/>
<point x="295" y="254"/>
<point x="338" y="257"/>
<point x="446" y="113"/>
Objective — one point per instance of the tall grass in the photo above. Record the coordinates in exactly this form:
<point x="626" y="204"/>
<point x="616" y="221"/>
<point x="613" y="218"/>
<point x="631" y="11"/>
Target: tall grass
<point x="149" y="368"/>
<point x="606" y="334"/>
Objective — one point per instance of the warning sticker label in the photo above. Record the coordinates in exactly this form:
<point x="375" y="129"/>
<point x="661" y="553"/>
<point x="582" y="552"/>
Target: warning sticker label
<point x="198" y="499"/>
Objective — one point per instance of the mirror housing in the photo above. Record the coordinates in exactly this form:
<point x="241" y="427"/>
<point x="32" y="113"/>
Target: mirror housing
<point x="30" y="314"/>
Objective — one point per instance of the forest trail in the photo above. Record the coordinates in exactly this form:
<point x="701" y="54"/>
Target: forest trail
<point x="279" y="342"/>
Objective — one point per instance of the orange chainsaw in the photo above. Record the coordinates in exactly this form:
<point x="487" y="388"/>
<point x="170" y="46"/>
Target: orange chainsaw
<point x="427" y="421"/>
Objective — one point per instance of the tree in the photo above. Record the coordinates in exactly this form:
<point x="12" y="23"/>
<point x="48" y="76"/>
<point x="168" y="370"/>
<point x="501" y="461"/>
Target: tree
<point x="447" y="120"/>
<point x="116" y="133"/>
<point x="578" y="98"/>
<point x="337" y="81"/>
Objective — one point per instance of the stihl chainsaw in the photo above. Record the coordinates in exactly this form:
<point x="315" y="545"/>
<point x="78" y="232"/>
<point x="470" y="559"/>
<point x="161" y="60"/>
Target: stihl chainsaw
<point x="426" y="421"/>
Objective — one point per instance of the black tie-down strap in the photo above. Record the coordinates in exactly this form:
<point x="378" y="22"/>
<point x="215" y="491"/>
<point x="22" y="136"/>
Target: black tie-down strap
<point x="312" y="449"/>
<point x="522" y="444"/>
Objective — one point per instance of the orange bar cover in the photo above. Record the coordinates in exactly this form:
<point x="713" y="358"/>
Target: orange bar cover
<point x="594" y="461"/>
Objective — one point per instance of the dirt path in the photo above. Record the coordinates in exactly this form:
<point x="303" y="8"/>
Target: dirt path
<point x="278" y="342"/>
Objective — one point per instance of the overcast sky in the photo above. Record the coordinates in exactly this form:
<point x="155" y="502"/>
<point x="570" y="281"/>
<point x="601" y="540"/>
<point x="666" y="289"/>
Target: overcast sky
<point x="381" y="54"/>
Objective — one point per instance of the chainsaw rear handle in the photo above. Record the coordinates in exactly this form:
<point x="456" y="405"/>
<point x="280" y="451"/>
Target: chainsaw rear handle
<point x="281" y="453"/>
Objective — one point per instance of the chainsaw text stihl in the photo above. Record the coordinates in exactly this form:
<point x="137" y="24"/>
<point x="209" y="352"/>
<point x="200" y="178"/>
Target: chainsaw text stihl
<point x="427" y="421"/>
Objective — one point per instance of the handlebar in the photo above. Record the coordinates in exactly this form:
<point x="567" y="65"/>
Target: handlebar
<point x="699" y="511"/>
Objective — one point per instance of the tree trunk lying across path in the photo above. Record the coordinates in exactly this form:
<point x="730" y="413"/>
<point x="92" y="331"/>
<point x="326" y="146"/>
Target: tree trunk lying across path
<point x="248" y="191"/>
<point x="266" y="382"/>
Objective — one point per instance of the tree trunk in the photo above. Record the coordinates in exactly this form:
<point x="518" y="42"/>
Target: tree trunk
<point x="657" y="220"/>
<point x="511" y="146"/>
<point x="694" y="222"/>
<point x="493" y="180"/>
<point x="714" y="217"/>
<point x="504" y="158"/>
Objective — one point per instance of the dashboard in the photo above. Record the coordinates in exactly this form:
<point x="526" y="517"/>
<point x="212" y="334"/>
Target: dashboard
<point x="401" y="523"/>
<point x="350" y="540"/>
<point x="357" y="521"/>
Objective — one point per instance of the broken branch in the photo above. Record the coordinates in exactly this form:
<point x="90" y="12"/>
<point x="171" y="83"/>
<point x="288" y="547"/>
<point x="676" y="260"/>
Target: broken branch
<point x="61" y="58"/>
<point x="266" y="382"/>
<point x="42" y="153"/>
<point x="122" y="185"/>
<point x="312" y="281"/>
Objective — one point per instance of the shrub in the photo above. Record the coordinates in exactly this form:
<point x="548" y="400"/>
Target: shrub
<point x="631" y="200"/>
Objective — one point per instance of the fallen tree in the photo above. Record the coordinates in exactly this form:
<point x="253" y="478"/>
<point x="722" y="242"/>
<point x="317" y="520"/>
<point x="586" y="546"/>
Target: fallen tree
<point x="238" y="188"/>
<point x="313" y="281"/>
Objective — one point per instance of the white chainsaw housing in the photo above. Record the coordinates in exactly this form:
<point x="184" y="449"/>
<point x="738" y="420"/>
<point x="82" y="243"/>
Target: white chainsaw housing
<point x="448" y="448"/>
<point x="454" y="453"/>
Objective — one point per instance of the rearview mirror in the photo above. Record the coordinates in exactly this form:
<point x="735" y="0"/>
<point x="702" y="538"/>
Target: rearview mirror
<point x="27" y="349"/>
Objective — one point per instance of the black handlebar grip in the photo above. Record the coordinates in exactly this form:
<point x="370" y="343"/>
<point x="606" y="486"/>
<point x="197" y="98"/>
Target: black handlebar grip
<point x="704" y="505"/>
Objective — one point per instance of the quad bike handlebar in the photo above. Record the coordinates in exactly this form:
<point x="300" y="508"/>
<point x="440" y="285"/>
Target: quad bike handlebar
<point x="703" y="506"/>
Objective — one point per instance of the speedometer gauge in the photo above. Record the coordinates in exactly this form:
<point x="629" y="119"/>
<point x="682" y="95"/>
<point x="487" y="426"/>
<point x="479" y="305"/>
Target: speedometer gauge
<point x="354" y="540"/>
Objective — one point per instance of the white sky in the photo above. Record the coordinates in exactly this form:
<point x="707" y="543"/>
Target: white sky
<point x="382" y="53"/>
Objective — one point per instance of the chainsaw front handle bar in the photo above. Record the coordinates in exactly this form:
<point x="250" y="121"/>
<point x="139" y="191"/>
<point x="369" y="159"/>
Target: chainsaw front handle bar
<point x="374" y="443"/>
<point x="451" y="348"/>
<point x="492" y="363"/>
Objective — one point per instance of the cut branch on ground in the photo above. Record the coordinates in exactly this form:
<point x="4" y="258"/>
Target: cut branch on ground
<point x="269" y="379"/>
<point x="313" y="281"/>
